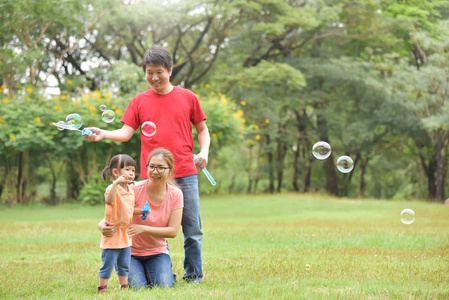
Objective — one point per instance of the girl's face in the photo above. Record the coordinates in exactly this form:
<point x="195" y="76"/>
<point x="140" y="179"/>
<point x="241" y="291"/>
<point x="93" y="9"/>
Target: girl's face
<point x="158" y="169"/>
<point x="129" y="172"/>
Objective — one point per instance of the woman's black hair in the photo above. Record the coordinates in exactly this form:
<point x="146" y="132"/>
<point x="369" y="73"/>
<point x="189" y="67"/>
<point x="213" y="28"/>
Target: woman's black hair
<point x="118" y="162"/>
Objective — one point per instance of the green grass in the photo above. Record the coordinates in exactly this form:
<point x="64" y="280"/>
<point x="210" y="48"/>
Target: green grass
<point x="285" y="246"/>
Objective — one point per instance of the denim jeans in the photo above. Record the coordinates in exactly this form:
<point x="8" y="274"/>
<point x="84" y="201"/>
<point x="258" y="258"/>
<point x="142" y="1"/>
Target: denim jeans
<point x="118" y="258"/>
<point x="191" y="228"/>
<point x="150" y="271"/>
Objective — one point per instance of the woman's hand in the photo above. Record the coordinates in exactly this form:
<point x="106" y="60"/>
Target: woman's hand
<point x="135" y="230"/>
<point x="107" y="228"/>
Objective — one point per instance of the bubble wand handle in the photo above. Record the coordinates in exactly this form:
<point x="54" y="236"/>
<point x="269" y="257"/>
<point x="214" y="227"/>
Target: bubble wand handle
<point x="206" y="172"/>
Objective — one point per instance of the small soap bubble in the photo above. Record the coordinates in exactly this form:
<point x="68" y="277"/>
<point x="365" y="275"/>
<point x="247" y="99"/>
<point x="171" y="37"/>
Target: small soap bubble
<point x="74" y="121"/>
<point x="108" y="116"/>
<point x="345" y="164"/>
<point x="102" y="107"/>
<point x="321" y="150"/>
<point x="61" y="125"/>
<point x="407" y="216"/>
<point x="307" y="267"/>
<point x="148" y="128"/>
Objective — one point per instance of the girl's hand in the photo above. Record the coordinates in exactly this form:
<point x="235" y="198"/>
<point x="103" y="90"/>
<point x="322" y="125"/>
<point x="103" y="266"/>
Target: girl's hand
<point x="135" y="230"/>
<point x="121" y="179"/>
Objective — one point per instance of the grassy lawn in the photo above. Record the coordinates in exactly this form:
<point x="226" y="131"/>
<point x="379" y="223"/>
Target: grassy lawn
<point x="255" y="247"/>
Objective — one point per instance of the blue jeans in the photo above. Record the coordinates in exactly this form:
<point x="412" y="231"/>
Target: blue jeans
<point x="150" y="271"/>
<point x="191" y="228"/>
<point x="118" y="258"/>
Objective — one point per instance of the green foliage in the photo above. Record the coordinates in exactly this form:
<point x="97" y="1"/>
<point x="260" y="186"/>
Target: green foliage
<point x="92" y="193"/>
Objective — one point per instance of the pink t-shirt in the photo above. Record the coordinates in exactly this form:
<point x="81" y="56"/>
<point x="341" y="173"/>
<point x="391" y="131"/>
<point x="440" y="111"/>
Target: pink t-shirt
<point x="173" y="114"/>
<point x="145" y="244"/>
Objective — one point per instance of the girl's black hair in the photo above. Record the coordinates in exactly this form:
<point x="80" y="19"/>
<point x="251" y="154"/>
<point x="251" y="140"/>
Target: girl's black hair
<point x="158" y="56"/>
<point x="118" y="162"/>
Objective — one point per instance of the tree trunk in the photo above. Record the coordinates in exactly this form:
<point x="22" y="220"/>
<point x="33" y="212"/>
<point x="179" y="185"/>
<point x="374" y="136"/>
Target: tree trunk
<point x="439" y="158"/>
<point x="295" y="169"/>
<point x="328" y="165"/>
<point x="270" y="167"/>
<point x="250" y="165"/>
<point x="259" y="154"/>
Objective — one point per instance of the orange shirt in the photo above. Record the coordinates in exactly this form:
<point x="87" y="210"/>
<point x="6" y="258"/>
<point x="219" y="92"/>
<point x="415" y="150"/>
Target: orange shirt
<point x="145" y="244"/>
<point x="113" y="214"/>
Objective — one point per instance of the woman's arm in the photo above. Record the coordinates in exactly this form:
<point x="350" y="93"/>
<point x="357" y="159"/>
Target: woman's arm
<point x="107" y="228"/>
<point x="164" y="232"/>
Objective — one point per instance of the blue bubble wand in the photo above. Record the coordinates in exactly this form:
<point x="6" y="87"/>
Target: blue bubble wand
<point x="206" y="172"/>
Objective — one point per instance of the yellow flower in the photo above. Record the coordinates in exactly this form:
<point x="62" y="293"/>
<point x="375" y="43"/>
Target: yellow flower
<point x="207" y="85"/>
<point x="69" y="82"/>
<point x="242" y="121"/>
<point x="97" y="94"/>
<point x="238" y="114"/>
<point x="56" y="98"/>
<point x="2" y="120"/>
<point x="267" y="121"/>
<point x="258" y="137"/>
<point x="13" y="137"/>
<point x="119" y="112"/>
<point x="84" y="85"/>
<point x="58" y="108"/>
<point x="48" y="104"/>
<point x="250" y="142"/>
<point x="256" y="127"/>
<point x="37" y="120"/>
<point x="214" y="136"/>
<point x="242" y="128"/>
<point x="63" y="97"/>
<point x="220" y="133"/>
<point x="113" y="107"/>
<point x="29" y="89"/>
<point x="5" y="100"/>
<point x="243" y="103"/>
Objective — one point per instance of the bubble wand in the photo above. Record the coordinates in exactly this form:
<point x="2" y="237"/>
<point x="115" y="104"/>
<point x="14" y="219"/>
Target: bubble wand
<point x="61" y="125"/>
<point x="206" y="172"/>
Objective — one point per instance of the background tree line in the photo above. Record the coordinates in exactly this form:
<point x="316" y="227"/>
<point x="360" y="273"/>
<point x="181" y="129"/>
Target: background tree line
<point x="370" y="77"/>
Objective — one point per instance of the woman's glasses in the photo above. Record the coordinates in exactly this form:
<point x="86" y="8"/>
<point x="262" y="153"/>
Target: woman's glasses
<point x="158" y="169"/>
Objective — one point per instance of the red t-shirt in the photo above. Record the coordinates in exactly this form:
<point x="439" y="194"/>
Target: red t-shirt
<point x="173" y="114"/>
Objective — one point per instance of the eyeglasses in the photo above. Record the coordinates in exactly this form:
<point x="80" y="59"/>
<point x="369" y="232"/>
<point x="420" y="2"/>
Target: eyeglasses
<point x="159" y="169"/>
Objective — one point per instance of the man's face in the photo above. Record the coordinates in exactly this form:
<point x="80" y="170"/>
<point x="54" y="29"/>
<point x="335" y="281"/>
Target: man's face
<point x="158" y="77"/>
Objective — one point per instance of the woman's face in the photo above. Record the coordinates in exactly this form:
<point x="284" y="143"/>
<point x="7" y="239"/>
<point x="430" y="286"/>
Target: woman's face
<point x="158" y="169"/>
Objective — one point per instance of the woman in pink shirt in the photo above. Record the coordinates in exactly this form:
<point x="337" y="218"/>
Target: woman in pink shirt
<point x="150" y="260"/>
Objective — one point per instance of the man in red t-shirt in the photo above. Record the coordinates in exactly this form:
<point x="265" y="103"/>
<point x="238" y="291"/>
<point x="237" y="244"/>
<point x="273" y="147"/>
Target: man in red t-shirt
<point x="172" y="109"/>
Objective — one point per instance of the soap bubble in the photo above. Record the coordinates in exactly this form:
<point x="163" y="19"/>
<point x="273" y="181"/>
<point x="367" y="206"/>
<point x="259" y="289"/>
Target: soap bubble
<point x="61" y="125"/>
<point x="407" y="216"/>
<point x="321" y="150"/>
<point x="74" y="121"/>
<point x="108" y="116"/>
<point x="102" y="107"/>
<point x="307" y="267"/>
<point x="148" y="128"/>
<point x="345" y="164"/>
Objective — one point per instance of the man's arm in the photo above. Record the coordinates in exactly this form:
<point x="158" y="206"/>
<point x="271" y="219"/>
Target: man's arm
<point x="204" y="141"/>
<point x="120" y="135"/>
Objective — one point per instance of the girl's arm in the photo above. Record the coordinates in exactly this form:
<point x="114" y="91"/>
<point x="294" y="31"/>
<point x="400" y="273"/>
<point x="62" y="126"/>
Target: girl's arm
<point x="110" y="196"/>
<point x="164" y="232"/>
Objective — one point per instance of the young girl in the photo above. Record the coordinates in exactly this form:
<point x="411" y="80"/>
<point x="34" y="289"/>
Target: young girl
<point x="119" y="198"/>
<point x="150" y="258"/>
